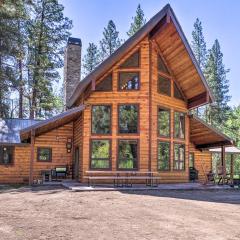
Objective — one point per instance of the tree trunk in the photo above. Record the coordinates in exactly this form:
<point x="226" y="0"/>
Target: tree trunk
<point x="20" y="101"/>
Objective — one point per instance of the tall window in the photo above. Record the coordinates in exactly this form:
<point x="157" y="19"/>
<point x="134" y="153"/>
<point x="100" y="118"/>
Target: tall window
<point x="161" y="66"/>
<point x="179" y="156"/>
<point x="101" y="119"/>
<point x="129" y="81"/>
<point x="163" y="122"/>
<point x="105" y="84"/>
<point x="128" y="154"/>
<point x="177" y="93"/>
<point x="133" y="61"/>
<point x="128" y="118"/>
<point x="6" y="155"/>
<point x="191" y="160"/>
<point x="44" y="154"/>
<point x="163" y="156"/>
<point x="179" y="125"/>
<point x="164" y="85"/>
<point x="100" y="154"/>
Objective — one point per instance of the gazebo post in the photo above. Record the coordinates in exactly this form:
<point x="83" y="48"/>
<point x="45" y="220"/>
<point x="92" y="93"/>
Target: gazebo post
<point x="223" y="160"/>
<point x="232" y="166"/>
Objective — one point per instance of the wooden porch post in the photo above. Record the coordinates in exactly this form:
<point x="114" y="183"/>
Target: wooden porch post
<point x="31" y="157"/>
<point x="223" y="160"/>
<point x="232" y="165"/>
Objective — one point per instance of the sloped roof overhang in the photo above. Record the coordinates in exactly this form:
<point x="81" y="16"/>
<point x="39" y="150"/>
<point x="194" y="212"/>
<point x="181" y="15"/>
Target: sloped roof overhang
<point x="165" y="17"/>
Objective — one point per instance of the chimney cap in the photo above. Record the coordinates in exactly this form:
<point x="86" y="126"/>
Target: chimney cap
<point x="74" y="41"/>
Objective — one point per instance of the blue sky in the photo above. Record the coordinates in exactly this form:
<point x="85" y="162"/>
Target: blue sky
<point x="220" y="19"/>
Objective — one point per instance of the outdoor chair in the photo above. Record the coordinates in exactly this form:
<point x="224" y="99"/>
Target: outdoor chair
<point x="59" y="172"/>
<point x="193" y="174"/>
<point x="223" y="178"/>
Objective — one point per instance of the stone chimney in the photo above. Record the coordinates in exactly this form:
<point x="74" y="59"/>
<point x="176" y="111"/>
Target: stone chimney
<point x="72" y="67"/>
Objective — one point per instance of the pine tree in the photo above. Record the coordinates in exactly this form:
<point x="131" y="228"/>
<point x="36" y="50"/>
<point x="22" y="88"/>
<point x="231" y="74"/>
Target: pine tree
<point x="199" y="44"/>
<point x="138" y="21"/>
<point x="91" y="59"/>
<point x="110" y="41"/>
<point x="215" y="72"/>
<point x="48" y="31"/>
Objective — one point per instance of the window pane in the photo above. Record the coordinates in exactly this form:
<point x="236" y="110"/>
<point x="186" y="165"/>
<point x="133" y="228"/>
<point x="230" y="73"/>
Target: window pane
<point x="127" y="154"/>
<point x="163" y="155"/>
<point x="177" y="93"/>
<point x="191" y="160"/>
<point x="101" y="119"/>
<point x="105" y="84"/>
<point x="132" y="61"/>
<point x="44" y="154"/>
<point x="161" y="66"/>
<point x="164" y="85"/>
<point x="179" y="125"/>
<point x="128" y="81"/>
<point x="163" y="122"/>
<point x="128" y="119"/>
<point x="6" y="154"/>
<point x="179" y="156"/>
<point x="100" y="154"/>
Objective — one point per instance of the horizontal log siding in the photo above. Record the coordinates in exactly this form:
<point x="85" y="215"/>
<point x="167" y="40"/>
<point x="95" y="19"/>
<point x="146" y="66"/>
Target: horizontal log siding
<point x="78" y="140"/>
<point x="19" y="171"/>
<point x="174" y="105"/>
<point x="116" y="97"/>
<point x="56" y="139"/>
<point x="203" y="162"/>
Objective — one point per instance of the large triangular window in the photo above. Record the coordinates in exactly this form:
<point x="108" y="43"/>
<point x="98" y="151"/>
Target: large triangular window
<point x="105" y="84"/>
<point x="161" y="65"/>
<point x="133" y="61"/>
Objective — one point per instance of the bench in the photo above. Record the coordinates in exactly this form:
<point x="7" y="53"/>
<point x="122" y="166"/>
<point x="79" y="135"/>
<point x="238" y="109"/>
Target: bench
<point x="59" y="171"/>
<point x="125" y="181"/>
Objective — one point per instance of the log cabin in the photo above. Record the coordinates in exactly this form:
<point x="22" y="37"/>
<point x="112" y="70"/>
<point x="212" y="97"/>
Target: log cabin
<point x="132" y="113"/>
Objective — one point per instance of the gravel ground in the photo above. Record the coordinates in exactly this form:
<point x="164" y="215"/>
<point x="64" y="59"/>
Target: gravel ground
<point x="44" y="213"/>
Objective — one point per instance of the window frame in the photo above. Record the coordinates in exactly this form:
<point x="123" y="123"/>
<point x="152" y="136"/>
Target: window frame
<point x="184" y="161"/>
<point x="13" y="155"/>
<point x="118" y="119"/>
<point x="138" y="154"/>
<point x="97" y="90"/>
<point x="169" y="161"/>
<point x="129" y="90"/>
<point x="101" y="134"/>
<point x="139" y="60"/>
<point x="174" y="131"/>
<point x="169" y="78"/>
<point x="38" y="154"/>
<point x="110" y="154"/>
<point x="158" y="124"/>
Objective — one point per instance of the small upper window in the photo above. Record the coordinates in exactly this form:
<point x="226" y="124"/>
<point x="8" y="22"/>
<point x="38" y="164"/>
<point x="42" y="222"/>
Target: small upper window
<point x="128" y="81"/>
<point x="164" y="85"/>
<point x="177" y="93"/>
<point x="101" y="119"/>
<point x="6" y="155"/>
<point x="44" y="154"/>
<point x="105" y="84"/>
<point x="132" y="61"/>
<point x="191" y="160"/>
<point x="179" y="125"/>
<point x="161" y="66"/>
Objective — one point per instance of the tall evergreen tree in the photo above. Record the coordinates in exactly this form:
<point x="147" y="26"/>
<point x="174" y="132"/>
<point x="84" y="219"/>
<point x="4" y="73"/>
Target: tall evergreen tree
<point x="138" y="21"/>
<point x="48" y="31"/>
<point x="215" y="72"/>
<point x="110" y="41"/>
<point x="91" y="59"/>
<point x="199" y="44"/>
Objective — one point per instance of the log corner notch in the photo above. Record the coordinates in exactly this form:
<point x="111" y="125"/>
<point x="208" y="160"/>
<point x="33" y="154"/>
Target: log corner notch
<point x="199" y="100"/>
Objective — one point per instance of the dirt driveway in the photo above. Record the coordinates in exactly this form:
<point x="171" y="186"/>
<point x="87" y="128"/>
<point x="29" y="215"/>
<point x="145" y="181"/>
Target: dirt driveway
<point x="61" y="214"/>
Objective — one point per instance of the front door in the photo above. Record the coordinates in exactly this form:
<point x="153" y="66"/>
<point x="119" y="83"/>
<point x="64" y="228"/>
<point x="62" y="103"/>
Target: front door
<point x="76" y="164"/>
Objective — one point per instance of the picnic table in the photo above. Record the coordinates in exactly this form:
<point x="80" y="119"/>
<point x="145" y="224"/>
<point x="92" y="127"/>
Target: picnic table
<point x="122" y="178"/>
